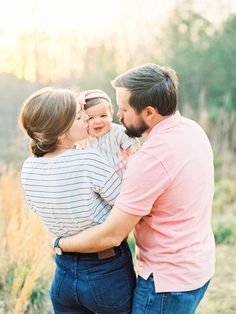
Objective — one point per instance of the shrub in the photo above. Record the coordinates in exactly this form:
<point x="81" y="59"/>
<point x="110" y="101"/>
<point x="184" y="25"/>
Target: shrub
<point x="225" y="232"/>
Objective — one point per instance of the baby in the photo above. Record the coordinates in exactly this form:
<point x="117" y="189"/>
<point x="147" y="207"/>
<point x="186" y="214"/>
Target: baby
<point x="109" y="138"/>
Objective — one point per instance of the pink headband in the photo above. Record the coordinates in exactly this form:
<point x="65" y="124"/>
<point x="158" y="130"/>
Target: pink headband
<point x="83" y="98"/>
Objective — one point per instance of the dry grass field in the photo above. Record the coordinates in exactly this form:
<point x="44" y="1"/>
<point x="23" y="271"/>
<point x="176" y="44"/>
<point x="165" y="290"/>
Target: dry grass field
<point x="26" y="260"/>
<point x="221" y="295"/>
<point x="27" y="264"/>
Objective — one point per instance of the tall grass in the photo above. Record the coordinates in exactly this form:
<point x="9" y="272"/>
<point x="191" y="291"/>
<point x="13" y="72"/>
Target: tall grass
<point x="25" y="255"/>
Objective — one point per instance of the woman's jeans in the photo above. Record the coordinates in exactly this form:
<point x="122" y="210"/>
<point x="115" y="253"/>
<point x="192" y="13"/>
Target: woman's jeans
<point x="92" y="283"/>
<point x="147" y="301"/>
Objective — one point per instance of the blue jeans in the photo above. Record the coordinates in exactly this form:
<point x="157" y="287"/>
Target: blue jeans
<point x="85" y="283"/>
<point x="147" y="301"/>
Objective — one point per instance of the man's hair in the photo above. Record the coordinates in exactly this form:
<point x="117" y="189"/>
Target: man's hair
<point x="150" y="85"/>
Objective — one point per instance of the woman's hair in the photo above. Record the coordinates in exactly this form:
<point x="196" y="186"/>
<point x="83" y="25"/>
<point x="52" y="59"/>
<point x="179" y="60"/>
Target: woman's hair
<point x="92" y="97"/>
<point x="47" y="114"/>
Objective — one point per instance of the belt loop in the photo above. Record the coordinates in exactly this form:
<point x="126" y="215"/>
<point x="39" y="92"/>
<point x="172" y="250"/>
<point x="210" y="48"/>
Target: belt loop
<point x="123" y="247"/>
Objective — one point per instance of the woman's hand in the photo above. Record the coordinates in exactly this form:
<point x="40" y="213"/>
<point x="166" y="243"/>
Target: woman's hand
<point x="51" y="238"/>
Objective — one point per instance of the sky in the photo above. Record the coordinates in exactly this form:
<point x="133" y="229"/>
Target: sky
<point x="93" y="17"/>
<point x="98" y="17"/>
<point x="133" y="21"/>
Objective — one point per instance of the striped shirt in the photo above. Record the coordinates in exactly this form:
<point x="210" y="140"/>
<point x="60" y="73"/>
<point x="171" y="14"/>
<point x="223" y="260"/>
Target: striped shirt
<point x="72" y="191"/>
<point x="112" y="145"/>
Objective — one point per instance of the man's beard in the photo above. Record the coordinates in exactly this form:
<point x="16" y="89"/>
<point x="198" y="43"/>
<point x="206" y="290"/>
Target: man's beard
<point x="135" y="131"/>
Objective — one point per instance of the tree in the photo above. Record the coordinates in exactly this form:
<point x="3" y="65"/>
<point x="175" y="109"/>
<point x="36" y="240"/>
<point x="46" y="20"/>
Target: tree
<point x="222" y="86"/>
<point x="186" y="43"/>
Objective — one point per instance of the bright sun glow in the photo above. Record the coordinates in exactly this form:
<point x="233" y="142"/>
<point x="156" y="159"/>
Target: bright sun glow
<point x="89" y="17"/>
<point x="88" y="20"/>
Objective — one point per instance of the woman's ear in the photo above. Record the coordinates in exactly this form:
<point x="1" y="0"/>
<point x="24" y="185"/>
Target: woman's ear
<point x="61" y="137"/>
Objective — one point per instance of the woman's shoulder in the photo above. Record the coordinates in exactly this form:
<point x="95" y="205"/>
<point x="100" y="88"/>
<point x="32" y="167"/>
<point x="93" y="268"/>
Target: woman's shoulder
<point x="29" y="160"/>
<point x="70" y="156"/>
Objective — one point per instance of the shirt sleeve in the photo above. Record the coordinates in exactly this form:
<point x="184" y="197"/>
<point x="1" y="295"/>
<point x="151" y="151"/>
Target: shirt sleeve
<point x="123" y="139"/>
<point x="144" y="181"/>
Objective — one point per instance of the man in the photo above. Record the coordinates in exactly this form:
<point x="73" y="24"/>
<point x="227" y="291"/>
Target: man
<point x="166" y="195"/>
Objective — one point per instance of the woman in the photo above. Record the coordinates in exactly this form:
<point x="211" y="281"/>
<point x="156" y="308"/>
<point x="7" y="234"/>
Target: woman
<point x="71" y="190"/>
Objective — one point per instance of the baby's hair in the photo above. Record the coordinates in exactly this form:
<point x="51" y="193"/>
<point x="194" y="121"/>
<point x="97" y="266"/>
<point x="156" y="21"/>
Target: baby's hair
<point x="92" y="97"/>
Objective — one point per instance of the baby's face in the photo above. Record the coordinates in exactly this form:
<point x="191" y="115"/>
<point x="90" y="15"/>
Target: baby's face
<point x="100" y="118"/>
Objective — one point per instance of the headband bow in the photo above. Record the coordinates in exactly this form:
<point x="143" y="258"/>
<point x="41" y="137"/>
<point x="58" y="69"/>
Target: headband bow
<point x="83" y="98"/>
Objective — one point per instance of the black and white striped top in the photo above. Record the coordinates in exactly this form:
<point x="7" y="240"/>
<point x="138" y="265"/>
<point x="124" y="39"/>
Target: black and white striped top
<point x="112" y="146"/>
<point x="72" y="191"/>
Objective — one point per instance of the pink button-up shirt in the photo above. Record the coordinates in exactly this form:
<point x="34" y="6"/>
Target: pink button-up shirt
<point x="170" y="182"/>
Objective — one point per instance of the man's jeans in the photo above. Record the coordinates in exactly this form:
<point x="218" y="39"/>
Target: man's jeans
<point x="86" y="284"/>
<point x="147" y="301"/>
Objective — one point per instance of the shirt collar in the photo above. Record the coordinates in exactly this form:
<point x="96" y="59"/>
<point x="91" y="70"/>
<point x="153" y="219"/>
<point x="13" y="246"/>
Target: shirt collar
<point x="165" y="124"/>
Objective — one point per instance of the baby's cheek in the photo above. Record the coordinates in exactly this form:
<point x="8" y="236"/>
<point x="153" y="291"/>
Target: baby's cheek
<point x="90" y="127"/>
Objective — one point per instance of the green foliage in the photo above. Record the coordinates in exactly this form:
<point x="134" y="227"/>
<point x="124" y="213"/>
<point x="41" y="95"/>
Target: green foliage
<point x="224" y="194"/>
<point x="224" y="223"/>
<point x="39" y="297"/>
<point x="131" y="243"/>
<point x="38" y="300"/>
<point x="218" y="161"/>
<point x="204" y="58"/>
<point x="186" y="48"/>
<point x="221" y="295"/>
<point x="222" y="87"/>
<point x="5" y="289"/>
<point x="225" y="232"/>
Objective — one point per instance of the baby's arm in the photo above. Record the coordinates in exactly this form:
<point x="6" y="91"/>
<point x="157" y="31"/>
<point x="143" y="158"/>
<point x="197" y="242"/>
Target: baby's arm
<point x="129" y="145"/>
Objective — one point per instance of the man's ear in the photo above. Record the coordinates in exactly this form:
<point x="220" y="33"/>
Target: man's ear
<point x="149" y="113"/>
